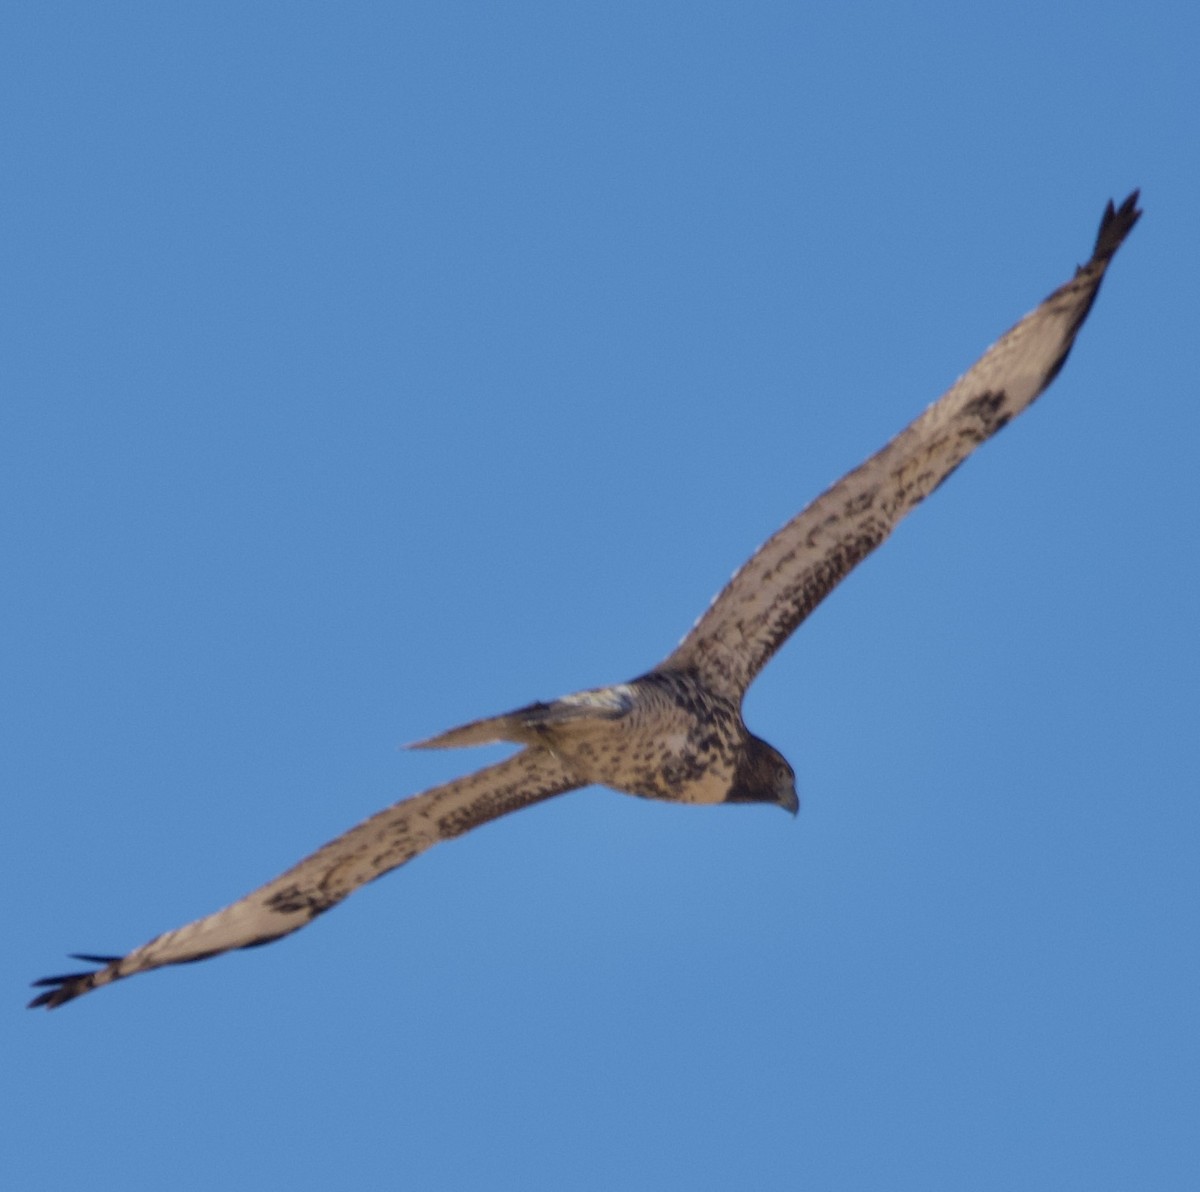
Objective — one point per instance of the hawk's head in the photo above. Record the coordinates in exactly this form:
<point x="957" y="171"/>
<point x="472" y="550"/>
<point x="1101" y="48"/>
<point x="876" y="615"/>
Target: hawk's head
<point x="763" y="776"/>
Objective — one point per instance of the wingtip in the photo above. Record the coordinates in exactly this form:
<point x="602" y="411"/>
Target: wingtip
<point x="47" y="999"/>
<point x="1115" y="225"/>
<point x="62" y="990"/>
<point x="57" y="991"/>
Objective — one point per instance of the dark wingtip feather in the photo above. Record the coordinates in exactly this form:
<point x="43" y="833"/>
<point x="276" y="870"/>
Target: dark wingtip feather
<point x="67" y="986"/>
<point x="64" y="979"/>
<point x="49" y="999"/>
<point x="62" y="989"/>
<point x="1115" y="225"/>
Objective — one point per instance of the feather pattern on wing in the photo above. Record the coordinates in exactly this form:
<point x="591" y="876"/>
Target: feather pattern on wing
<point x="796" y="569"/>
<point x="383" y="842"/>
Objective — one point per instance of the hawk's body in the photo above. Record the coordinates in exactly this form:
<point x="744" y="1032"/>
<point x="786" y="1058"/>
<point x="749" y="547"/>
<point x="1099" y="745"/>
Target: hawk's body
<point x="677" y="732"/>
<point x="666" y="735"/>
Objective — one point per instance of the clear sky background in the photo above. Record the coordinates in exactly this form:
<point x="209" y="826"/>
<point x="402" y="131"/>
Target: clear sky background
<point x="367" y="368"/>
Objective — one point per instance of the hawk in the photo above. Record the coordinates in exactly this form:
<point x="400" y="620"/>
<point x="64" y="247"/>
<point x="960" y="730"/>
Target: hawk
<point x="676" y="732"/>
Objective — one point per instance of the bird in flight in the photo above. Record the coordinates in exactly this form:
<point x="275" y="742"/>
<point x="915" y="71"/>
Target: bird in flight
<point x="676" y="732"/>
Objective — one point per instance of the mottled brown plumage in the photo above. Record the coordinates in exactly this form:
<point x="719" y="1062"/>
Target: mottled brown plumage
<point x="675" y="733"/>
<point x="665" y="735"/>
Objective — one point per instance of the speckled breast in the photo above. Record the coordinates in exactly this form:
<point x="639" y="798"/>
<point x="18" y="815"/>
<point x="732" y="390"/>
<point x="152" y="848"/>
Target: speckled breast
<point x="675" y="741"/>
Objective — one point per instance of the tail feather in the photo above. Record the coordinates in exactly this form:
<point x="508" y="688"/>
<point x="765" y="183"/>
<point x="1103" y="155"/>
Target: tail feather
<point x="530" y="724"/>
<point x="518" y="727"/>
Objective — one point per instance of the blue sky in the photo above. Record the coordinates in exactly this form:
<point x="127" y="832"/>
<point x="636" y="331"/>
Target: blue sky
<point x="372" y="367"/>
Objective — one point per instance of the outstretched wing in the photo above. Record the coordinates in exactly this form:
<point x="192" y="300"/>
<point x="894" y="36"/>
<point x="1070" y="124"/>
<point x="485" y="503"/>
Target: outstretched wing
<point x="308" y="889"/>
<point x="794" y="570"/>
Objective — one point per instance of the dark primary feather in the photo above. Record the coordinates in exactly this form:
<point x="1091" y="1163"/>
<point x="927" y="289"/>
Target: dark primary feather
<point x="677" y="732"/>
<point x="795" y="569"/>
